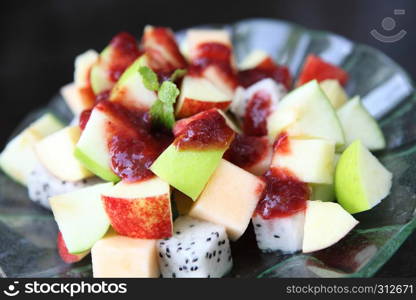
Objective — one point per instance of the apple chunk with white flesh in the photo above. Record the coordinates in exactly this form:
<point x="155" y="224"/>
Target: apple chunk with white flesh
<point x="323" y="191"/>
<point x="160" y="45"/>
<point x="140" y="209"/>
<point x="306" y="112"/>
<point x="197" y="39"/>
<point x="358" y="124"/>
<point x="188" y="169"/>
<point x="92" y="148"/>
<point x="113" y="60"/>
<point x="18" y="158"/>
<point x="79" y="95"/>
<point x="310" y="160"/>
<point x="56" y="153"/>
<point x="199" y="94"/>
<point x="81" y="217"/>
<point x="325" y="224"/>
<point x="65" y="255"/>
<point x="74" y="98"/>
<point x="229" y="199"/>
<point x="119" y="256"/>
<point x="253" y="59"/>
<point x="361" y="181"/>
<point x="335" y="92"/>
<point x="130" y="90"/>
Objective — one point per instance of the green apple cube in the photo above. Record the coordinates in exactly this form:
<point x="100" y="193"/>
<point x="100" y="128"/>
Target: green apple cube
<point x="83" y="64"/>
<point x="18" y="158"/>
<point x="306" y="112"/>
<point x="325" y="224"/>
<point x="100" y="80"/>
<point x="324" y="192"/>
<point x="187" y="170"/>
<point x="81" y="216"/>
<point x="92" y="148"/>
<point x="335" y="92"/>
<point x="310" y="160"/>
<point x="130" y="89"/>
<point x="358" y="124"/>
<point x="361" y="181"/>
<point x="56" y="153"/>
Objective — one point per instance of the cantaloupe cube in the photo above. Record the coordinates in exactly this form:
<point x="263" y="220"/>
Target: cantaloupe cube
<point x="121" y="256"/>
<point x="229" y="199"/>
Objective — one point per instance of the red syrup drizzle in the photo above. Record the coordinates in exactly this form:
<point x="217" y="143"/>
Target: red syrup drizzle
<point x="257" y="110"/>
<point x="245" y="151"/>
<point x="133" y="144"/>
<point x="207" y="130"/>
<point x="214" y="54"/>
<point x="266" y="69"/>
<point x="283" y="196"/>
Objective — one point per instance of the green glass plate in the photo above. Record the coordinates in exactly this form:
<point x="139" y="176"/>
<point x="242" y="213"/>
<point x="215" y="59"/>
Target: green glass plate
<point x="28" y="232"/>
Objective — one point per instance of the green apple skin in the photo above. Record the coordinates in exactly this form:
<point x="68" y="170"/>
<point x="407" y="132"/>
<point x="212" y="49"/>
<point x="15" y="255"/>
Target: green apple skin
<point x="187" y="170"/>
<point x="18" y="158"/>
<point x="361" y="181"/>
<point x="81" y="217"/>
<point x="306" y="112"/>
<point x="358" y="124"/>
<point x="130" y="90"/>
<point x="92" y="148"/>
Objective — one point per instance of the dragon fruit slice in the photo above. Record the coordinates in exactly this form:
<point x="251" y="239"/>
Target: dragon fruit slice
<point x="42" y="185"/>
<point x="279" y="234"/>
<point x="242" y="96"/>
<point x="197" y="249"/>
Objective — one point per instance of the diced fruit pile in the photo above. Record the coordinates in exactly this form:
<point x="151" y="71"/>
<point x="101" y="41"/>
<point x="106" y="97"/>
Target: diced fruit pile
<point x="229" y="145"/>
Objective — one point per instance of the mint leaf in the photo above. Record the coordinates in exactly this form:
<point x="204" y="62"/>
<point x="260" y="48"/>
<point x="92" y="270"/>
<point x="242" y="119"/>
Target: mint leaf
<point x="168" y="92"/>
<point x="162" y="114"/>
<point x="162" y="111"/>
<point x="149" y="78"/>
<point x="177" y="74"/>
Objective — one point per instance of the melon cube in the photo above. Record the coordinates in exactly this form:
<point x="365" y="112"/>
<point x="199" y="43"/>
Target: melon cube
<point x="121" y="256"/>
<point x="229" y="199"/>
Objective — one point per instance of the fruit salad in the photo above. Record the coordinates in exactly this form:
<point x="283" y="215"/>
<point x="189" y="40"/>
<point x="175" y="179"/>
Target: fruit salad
<point x="175" y="150"/>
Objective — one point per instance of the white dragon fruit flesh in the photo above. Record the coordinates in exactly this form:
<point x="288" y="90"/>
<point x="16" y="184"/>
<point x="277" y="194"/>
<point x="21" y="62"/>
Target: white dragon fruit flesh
<point x="242" y="96"/>
<point x="196" y="249"/>
<point x="42" y="184"/>
<point x="283" y="234"/>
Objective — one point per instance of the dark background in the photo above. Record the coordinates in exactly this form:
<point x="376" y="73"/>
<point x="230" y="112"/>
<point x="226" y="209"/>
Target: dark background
<point x="40" y="38"/>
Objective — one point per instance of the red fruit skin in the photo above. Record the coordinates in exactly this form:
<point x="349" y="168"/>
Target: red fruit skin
<point x="316" y="68"/>
<point x="191" y="107"/>
<point x="160" y="45"/>
<point x="146" y="218"/>
<point x="64" y="254"/>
